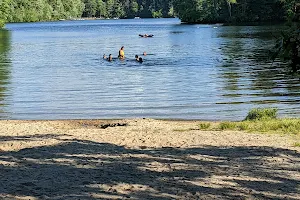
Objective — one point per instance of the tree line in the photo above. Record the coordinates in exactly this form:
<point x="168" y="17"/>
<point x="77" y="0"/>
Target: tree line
<point x="191" y="11"/>
<point x="127" y="8"/>
<point x="212" y="11"/>
<point x="47" y="10"/>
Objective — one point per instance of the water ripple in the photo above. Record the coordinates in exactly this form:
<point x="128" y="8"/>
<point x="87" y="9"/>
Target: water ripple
<point x="55" y="70"/>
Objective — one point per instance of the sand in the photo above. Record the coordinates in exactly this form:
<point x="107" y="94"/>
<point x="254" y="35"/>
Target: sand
<point x="143" y="159"/>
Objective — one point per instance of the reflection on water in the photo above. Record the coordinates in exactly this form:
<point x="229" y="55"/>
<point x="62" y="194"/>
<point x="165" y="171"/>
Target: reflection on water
<point x="4" y="68"/>
<point x="250" y="78"/>
<point x="191" y="71"/>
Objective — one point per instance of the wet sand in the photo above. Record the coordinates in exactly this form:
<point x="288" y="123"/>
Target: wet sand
<point x="143" y="159"/>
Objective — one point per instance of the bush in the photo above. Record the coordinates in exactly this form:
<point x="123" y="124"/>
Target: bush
<point x="262" y="114"/>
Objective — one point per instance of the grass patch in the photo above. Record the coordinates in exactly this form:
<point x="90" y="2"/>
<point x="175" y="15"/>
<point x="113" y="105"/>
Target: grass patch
<point x="227" y="126"/>
<point x="262" y="120"/>
<point x="204" y="126"/>
<point x="297" y="144"/>
<point x="289" y="126"/>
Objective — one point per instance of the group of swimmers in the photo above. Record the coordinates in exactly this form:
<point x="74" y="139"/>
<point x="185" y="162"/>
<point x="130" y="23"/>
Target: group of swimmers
<point x="121" y="56"/>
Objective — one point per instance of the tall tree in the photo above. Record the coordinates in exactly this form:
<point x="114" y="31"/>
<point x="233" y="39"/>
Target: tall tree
<point x="229" y="2"/>
<point x="90" y="8"/>
<point x="101" y="9"/>
<point x="4" y="11"/>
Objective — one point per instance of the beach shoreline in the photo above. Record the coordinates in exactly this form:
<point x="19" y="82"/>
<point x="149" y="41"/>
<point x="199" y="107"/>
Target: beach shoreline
<point x="143" y="159"/>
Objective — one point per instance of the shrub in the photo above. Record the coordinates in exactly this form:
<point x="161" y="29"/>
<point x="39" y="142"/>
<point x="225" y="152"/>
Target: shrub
<point x="262" y="114"/>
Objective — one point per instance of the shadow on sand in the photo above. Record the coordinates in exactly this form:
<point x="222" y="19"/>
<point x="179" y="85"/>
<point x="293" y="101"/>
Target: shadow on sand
<point x="79" y="169"/>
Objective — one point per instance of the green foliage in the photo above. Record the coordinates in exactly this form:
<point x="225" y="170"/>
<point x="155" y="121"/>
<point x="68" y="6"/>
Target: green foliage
<point x="227" y="126"/>
<point x="157" y="14"/>
<point x="204" y="126"/>
<point x="292" y="9"/>
<point x="283" y="126"/>
<point x="45" y="10"/>
<point x="5" y="63"/>
<point x="171" y="11"/>
<point x="243" y="126"/>
<point x="134" y="7"/>
<point x="260" y="121"/>
<point x="203" y="11"/>
<point x="90" y="8"/>
<point x="118" y="10"/>
<point x="4" y="11"/>
<point x="297" y="144"/>
<point x="101" y="9"/>
<point x="287" y="47"/>
<point x="2" y="23"/>
<point x="262" y="114"/>
<point x="191" y="11"/>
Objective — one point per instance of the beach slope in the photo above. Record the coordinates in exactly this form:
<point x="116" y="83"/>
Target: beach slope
<point x="143" y="159"/>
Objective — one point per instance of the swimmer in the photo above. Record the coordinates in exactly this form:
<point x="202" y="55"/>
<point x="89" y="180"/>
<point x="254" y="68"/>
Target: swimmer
<point x="109" y="58"/>
<point x="136" y="57"/>
<point x="121" y="53"/>
<point x="140" y="60"/>
<point x="104" y="56"/>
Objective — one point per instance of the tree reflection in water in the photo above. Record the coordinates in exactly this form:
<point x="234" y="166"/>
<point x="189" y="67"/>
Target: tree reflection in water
<point x="5" y="66"/>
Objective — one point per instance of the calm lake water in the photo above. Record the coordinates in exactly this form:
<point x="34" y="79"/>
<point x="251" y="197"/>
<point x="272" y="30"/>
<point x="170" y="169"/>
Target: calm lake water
<point x="55" y="70"/>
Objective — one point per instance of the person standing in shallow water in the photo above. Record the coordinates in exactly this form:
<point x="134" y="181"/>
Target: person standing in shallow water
<point x="121" y="53"/>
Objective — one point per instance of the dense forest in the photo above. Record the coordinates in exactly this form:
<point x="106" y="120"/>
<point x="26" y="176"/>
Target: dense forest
<point x="191" y="11"/>
<point x="46" y="10"/>
<point x="212" y="11"/>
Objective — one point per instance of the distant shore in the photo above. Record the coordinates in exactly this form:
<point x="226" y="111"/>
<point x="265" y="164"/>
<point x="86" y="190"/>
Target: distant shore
<point x="143" y="159"/>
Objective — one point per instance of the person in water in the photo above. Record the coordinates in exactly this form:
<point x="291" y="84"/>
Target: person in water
<point x="144" y="53"/>
<point x="104" y="56"/>
<point x="140" y="60"/>
<point x="109" y="58"/>
<point x="136" y="57"/>
<point x="121" y="53"/>
<point x="145" y="35"/>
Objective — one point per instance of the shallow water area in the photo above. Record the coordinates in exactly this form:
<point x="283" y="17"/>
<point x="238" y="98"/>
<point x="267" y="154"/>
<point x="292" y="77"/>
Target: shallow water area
<point x="55" y="70"/>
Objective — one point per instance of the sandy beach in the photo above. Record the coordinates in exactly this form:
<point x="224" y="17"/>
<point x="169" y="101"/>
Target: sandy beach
<point x="143" y="159"/>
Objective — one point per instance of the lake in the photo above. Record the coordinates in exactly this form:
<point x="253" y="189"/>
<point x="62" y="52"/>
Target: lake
<point x="55" y="70"/>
